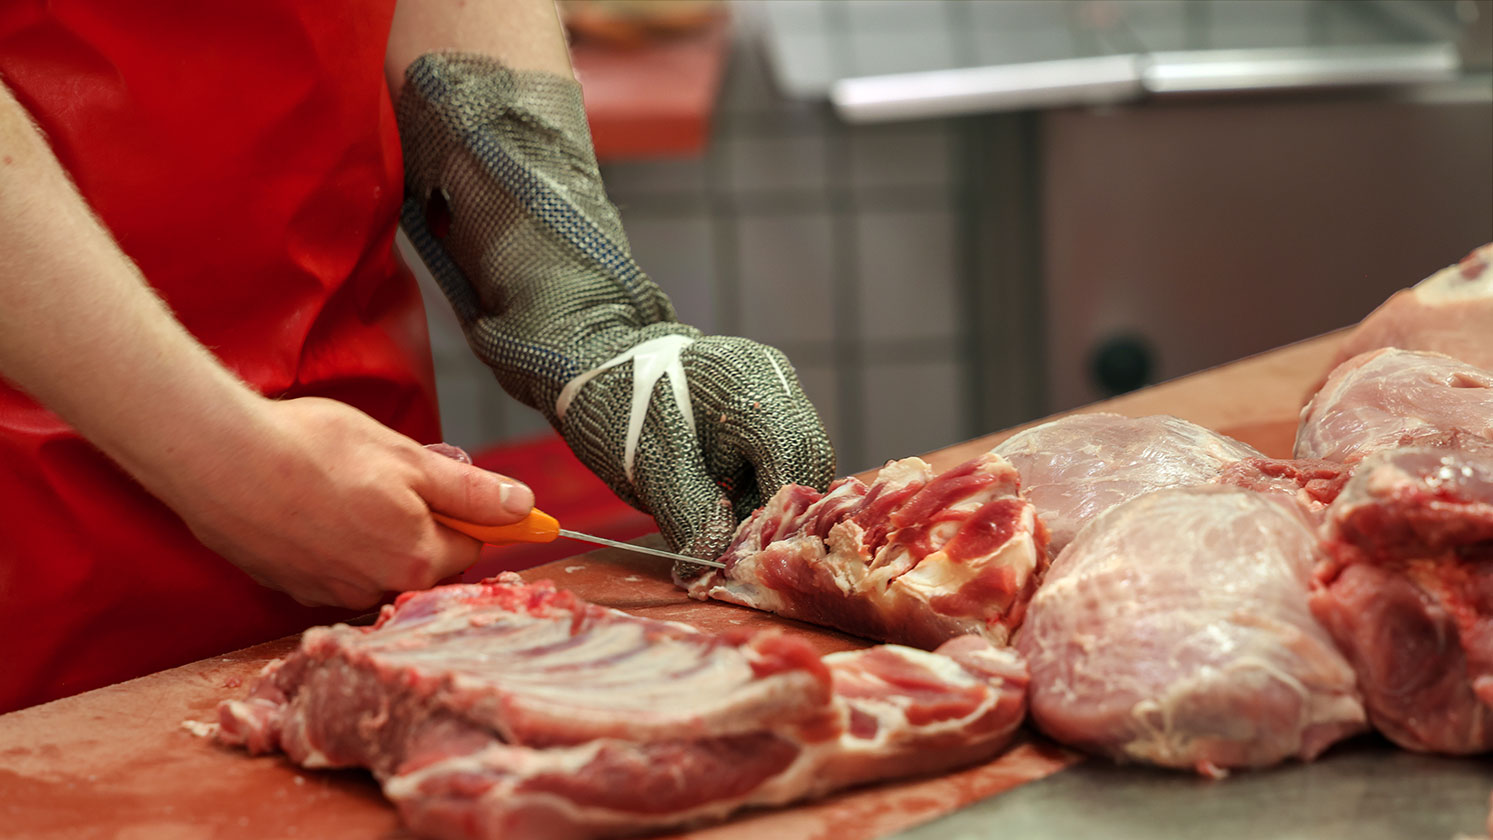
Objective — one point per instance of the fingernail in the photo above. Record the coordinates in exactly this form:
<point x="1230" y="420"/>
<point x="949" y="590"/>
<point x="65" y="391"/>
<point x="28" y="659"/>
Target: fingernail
<point x="518" y="499"/>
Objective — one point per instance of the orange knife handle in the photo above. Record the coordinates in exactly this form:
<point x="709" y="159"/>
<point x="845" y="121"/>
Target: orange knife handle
<point x="537" y="527"/>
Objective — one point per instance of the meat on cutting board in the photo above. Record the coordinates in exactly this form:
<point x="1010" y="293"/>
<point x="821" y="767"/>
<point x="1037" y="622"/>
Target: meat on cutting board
<point x="1174" y="630"/>
<point x="1406" y="588"/>
<point x="1311" y="483"/>
<point x="1388" y="398"/>
<point x="1076" y="467"/>
<point x="500" y="710"/>
<point x="911" y="558"/>
<point x="1449" y="312"/>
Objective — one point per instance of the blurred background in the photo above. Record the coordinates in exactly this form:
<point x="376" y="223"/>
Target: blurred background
<point x="960" y="215"/>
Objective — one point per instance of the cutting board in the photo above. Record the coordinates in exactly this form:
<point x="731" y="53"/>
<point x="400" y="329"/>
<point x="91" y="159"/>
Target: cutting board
<point x="120" y="763"/>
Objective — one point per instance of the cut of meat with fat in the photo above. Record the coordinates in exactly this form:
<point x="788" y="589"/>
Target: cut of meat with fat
<point x="516" y="661"/>
<point x="1406" y="588"/>
<point x="1449" y="312"/>
<point x="907" y="712"/>
<point x="504" y="709"/>
<point x="1390" y="398"/>
<point x="911" y="558"/>
<point x="1175" y="631"/>
<point x="1077" y="467"/>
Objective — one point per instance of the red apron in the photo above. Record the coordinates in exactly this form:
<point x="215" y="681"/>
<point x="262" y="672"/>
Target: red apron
<point x="244" y="154"/>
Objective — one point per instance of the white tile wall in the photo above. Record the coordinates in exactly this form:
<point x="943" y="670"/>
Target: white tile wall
<point x="916" y="154"/>
<point x="908" y="274"/>
<point x="786" y="271"/>
<point x="748" y="87"/>
<point x="875" y="53"/>
<point x="894" y="16"/>
<point x="911" y="408"/>
<point x="675" y="178"/>
<point x="821" y="384"/>
<point x="1012" y="46"/>
<point x="676" y="252"/>
<point x="803" y="65"/>
<point x="756" y="163"/>
<point x="1006" y="15"/>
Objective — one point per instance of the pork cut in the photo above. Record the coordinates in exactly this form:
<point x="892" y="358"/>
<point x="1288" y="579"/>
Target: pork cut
<point x="1174" y="630"/>
<point x="1076" y="467"/>
<point x="1311" y="483"/>
<point x="1406" y="588"/>
<point x="1449" y="312"/>
<point x="911" y="558"/>
<point x="503" y="709"/>
<point x="1389" y="398"/>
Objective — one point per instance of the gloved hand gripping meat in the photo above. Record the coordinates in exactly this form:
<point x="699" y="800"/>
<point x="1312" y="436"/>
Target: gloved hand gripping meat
<point x="911" y="558"/>
<point x="695" y="430"/>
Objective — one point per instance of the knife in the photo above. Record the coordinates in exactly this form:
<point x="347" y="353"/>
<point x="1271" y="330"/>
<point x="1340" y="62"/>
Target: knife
<point x="540" y="527"/>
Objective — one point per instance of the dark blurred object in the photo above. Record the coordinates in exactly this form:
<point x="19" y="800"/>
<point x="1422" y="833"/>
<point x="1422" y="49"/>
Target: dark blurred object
<point x="634" y="23"/>
<point x="1122" y="363"/>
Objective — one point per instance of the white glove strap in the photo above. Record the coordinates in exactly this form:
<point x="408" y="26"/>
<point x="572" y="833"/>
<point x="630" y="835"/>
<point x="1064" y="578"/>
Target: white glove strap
<point x="651" y="360"/>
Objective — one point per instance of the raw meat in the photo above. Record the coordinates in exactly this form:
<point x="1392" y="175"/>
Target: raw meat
<point x="1077" y="467"/>
<point x="1449" y="312"/>
<point x="1175" y="630"/>
<point x="912" y="558"/>
<point x="1388" y="398"/>
<point x="500" y="710"/>
<point x="1309" y="482"/>
<point x="1407" y="590"/>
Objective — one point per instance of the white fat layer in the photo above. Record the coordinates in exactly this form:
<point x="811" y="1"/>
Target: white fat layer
<point x="1451" y="286"/>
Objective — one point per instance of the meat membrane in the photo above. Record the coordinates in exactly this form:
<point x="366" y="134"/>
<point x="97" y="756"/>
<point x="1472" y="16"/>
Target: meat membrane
<point x="1406" y="589"/>
<point x="1077" y="467"/>
<point x="912" y="558"/>
<point x="1389" y="398"/>
<point x="1174" y="630"/>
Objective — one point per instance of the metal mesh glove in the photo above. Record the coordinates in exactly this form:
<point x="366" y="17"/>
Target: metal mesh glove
<point x="506" y="207"/>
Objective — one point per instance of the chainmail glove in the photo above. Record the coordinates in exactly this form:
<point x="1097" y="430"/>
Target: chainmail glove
<point x="506" y="207"/>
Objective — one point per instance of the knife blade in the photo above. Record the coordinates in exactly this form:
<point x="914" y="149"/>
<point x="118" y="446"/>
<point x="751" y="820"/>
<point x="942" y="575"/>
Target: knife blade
<point x="540" y="527"/>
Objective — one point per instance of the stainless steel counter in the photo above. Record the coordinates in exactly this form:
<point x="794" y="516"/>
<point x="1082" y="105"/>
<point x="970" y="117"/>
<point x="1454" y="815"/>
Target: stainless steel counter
<point x="1364" y="790"/>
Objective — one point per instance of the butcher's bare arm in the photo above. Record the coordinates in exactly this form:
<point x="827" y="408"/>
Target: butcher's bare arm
<point x="308" y="496"/>
<point x="82" y="332"/>
<point x="523" y="34"/>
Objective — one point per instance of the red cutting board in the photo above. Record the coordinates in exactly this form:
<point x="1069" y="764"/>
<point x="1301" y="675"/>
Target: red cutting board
<point x="117" y="763"/>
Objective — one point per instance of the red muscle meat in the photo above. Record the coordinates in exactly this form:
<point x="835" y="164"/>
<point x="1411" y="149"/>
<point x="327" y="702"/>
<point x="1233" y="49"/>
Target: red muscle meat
<point x="501" y="709"/>
<point x="1076" y="467"/>
<point x="1449" y="312"/>
<point x="1406" y="588"/>
<point x="912" y="558"/>
<point x="1390" y="398"/>
<point x="1175" y="631"/>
